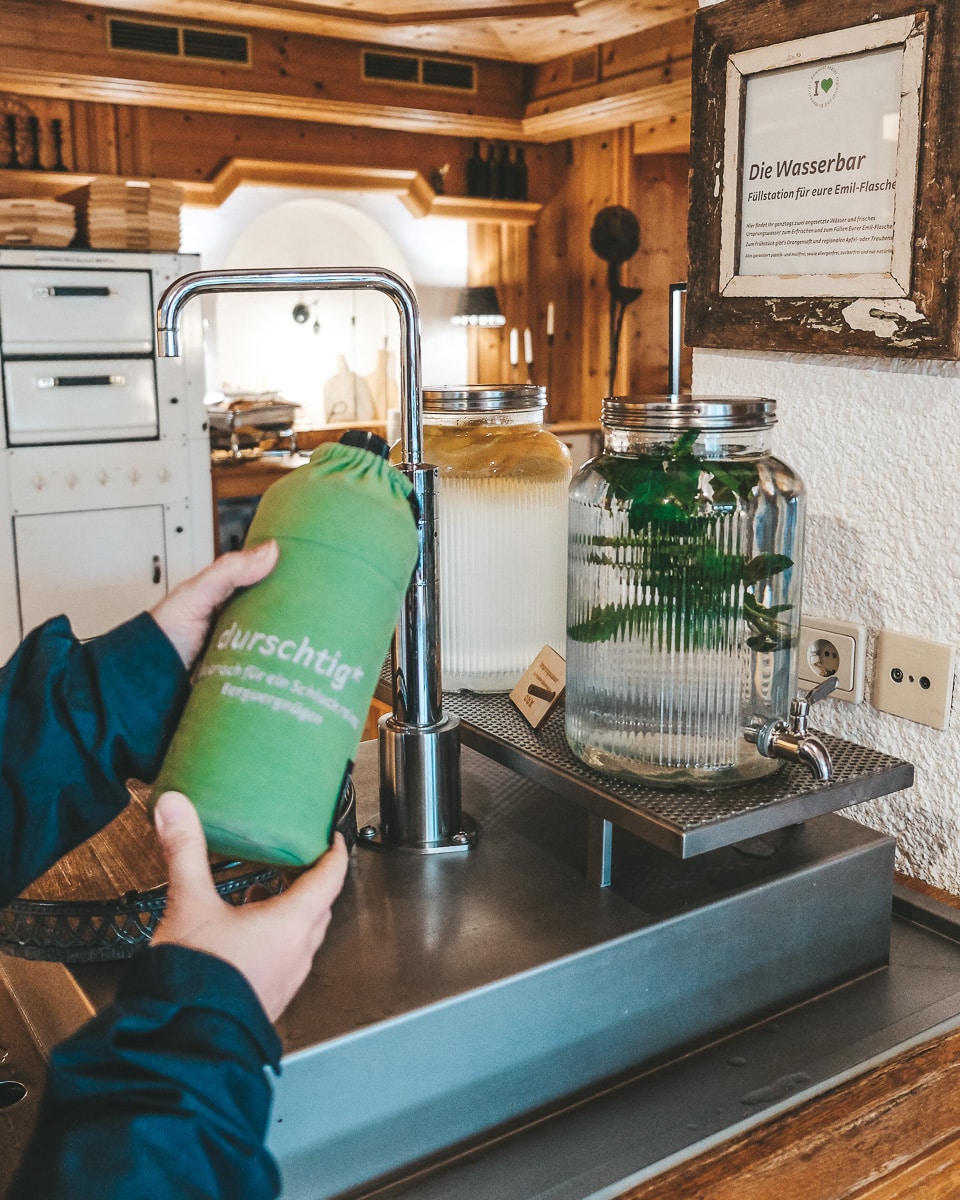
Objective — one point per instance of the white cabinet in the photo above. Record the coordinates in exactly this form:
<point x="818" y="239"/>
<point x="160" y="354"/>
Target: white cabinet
<point x="105" y="496"/>
<point x="100" y="566"/>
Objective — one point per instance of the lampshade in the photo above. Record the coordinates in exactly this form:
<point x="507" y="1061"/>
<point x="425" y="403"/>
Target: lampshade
<point x="478" y="306"/>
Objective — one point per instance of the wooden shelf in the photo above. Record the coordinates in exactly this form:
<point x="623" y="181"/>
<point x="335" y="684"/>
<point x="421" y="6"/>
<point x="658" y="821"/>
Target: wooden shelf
<point x="409" y="187"/>
<point x="40" y="185"/>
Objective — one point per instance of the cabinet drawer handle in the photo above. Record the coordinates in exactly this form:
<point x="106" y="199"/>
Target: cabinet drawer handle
<point x="65" y="290"/>
<point x="66" y="381"/>
<point x="156" y="568"/>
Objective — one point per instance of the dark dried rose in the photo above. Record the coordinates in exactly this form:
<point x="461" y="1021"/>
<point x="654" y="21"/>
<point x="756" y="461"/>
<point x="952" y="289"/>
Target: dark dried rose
<point x="615" y="235"/>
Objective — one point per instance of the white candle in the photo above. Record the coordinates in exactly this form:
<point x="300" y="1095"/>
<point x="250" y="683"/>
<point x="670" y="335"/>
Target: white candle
<point x="514" y="347"/>
<point x="550" y="319"/>
<point x="527" y="347"/>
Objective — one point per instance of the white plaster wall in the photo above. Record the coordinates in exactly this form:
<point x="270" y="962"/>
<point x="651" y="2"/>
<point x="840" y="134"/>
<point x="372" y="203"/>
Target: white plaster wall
<point x="876" y="441"/>
<point x="252" y="342"/>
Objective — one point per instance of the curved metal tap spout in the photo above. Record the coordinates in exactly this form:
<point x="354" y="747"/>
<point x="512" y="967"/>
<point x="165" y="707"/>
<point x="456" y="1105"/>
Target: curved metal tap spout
<point x="816" y="758"/>
<point x="272" y="279"/>
<point x="419" y="746"/>
<point x="793" y="742"/>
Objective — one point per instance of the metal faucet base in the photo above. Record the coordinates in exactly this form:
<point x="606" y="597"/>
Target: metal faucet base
<point x="420" y="788"/>
<point x="465" y="838"/>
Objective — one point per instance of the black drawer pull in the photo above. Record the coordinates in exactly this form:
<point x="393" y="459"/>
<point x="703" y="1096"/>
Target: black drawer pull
<point x="74" y="290"/>
<point x="156" y="568"/>
<point x="66" y="381"/>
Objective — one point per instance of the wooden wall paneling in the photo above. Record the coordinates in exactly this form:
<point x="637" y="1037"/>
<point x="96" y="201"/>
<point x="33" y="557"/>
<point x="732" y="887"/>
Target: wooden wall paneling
<point x="95" y="134"/>
<point x="663" y="135"/>
<point x="665" y="44"/>
<point x="133" y="141"/>
<point x="79" y="158"/>
<point x="64" y="48"/>
<point x="193" y="145"/>
<point x="659" y="200"/>
<point x="556" y="279"/>
<point x="517" y="288"/>
<point x="669" y="43"/>
<point x="604" y="172"/>
<point x="566" y="271"/>
<point x="499" y="256"/>
<point x="606" y="176"/>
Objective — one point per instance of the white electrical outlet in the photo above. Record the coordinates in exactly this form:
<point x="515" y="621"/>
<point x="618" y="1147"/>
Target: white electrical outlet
<point x="829" y="647"/>
<point x="913" y="678"/>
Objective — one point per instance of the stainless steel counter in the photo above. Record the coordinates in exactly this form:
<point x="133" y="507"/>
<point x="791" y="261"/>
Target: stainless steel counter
<point x="569" y="1037"/>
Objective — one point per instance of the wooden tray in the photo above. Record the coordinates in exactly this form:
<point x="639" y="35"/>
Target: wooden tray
<point x="103" y="900"/>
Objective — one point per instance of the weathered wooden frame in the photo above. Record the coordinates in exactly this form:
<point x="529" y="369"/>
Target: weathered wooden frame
<point x="913" y="312"/>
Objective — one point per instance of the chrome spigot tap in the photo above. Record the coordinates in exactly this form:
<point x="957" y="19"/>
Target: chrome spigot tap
<point x="793" y="741"/>
<point x="419" y="745"/>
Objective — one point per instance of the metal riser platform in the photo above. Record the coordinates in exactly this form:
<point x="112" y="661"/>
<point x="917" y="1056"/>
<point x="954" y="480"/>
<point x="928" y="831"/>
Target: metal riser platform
<point x="456" y="993"/>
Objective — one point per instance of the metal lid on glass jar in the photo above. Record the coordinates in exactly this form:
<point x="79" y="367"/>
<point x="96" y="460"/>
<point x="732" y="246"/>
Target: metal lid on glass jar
<point x="472" y="398"/>
<point x="678" y="412"/>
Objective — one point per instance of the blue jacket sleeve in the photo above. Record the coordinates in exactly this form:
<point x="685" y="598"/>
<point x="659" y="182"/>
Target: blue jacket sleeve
<point x="164" y="1094"/>
<point x="76" y="721"/>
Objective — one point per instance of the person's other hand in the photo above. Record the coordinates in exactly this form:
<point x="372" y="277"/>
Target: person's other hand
<point x="185" y="614"/>
<point x="271" y="942"/>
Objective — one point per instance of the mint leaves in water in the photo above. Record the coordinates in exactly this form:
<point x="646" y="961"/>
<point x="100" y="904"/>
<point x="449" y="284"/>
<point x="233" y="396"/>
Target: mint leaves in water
<point x="684" y="578"/>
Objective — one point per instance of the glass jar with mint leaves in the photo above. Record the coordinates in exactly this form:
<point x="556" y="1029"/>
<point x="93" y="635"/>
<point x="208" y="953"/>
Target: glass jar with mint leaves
<point x="684" y="589"/>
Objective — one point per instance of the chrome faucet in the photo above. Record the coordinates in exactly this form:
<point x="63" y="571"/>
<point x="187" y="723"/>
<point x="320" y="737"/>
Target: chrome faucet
<point x="419" y="746"/>
<point x="793" y="741"/>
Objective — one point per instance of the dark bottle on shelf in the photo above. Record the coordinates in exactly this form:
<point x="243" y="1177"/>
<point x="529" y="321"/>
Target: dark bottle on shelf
<point x="503" y="188"/>
<point x="520" y="176"/>
<point x="478" y="173"/>
<point x="492" y="180"/>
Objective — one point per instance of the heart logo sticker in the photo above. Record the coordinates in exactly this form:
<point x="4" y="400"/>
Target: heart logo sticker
<point x="823" y="85"/>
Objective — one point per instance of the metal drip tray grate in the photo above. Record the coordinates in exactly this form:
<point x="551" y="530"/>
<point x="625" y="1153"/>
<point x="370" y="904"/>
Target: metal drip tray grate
<point x="683" y="822"/>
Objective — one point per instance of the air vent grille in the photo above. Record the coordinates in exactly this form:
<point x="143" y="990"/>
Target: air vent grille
<point x="147" y="39"/>
<point x="438" y="73"/>
<point x="443" y="73"/>
<point x="177" y="41"/>
<point x="394" y="68"/>
<point x="223" y="47"/>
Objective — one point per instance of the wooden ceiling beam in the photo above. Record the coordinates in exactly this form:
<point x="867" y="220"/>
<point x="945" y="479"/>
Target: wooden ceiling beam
<point x="631" y="80"/>
<point x="553" y="123"/>
<point x="187" y="98"/>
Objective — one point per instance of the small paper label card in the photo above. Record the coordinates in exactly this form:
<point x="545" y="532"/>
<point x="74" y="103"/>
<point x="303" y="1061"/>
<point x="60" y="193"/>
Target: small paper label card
<point x="540" y="689"/>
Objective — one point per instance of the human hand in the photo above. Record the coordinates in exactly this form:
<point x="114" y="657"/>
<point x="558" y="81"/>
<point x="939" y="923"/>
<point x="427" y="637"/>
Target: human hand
<point x="185" y="614"/>
<point x="271" y="942"/>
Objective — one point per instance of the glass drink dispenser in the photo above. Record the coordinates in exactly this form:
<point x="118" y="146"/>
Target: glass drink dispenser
<point x="502" y="531"/>
<point x="684" y="585"/>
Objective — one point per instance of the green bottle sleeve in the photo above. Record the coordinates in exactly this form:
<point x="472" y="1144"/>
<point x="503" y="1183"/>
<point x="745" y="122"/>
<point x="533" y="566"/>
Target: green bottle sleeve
<point x="282" y="691"/>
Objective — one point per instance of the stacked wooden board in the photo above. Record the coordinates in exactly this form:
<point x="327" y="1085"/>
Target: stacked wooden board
<point x="129" y="214"/>
<point x="26" y="222"/>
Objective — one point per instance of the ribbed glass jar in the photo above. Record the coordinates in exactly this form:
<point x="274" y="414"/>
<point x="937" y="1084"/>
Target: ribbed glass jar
<point x="684" y="591"/>
<point x="502" y="531"/>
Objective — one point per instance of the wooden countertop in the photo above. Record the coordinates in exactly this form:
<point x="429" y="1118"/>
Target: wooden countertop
<point x="892" y="1133"/>
<point x="250" y="477"/>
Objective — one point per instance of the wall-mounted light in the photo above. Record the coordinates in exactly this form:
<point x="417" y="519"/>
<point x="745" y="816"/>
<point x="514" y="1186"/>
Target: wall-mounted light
<point x="301" y="314"/>
<point x="478" y="306"/>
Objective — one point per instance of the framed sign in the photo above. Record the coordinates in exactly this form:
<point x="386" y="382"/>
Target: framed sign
<point x="824" y="178"/>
